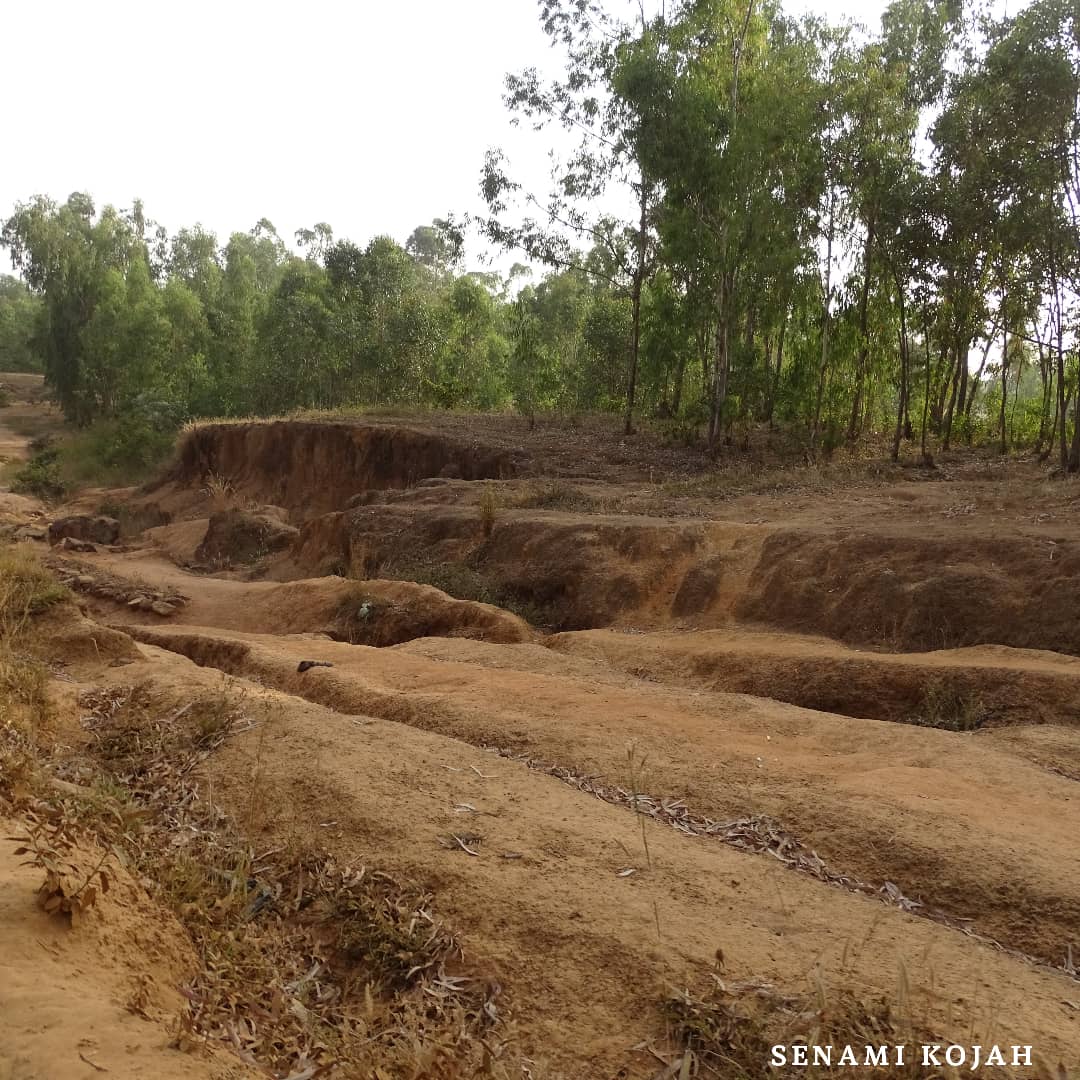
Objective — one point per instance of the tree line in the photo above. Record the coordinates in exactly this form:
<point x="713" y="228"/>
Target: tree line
<point x="834" y="231"/>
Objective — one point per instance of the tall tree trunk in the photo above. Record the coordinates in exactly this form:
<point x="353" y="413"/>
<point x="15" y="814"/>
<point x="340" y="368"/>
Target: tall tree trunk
<point x="926" y="395"/>
<point x="1061" y="402"/>
<point x="680" y="377"/>
<point x="727" y="282"/>
<point x="635" y="298"/>
<point x="1003" y="442"/>
<point x="774" y="377"/>
<point x="901" y="410"/>
<point x="977" y="380"/>
<point x="1045" y="380"/>
<point x="825" y="314"/>
<point x="721" y="362"/>
<point x="955" y="382"/>
<point x="864" y="343"/>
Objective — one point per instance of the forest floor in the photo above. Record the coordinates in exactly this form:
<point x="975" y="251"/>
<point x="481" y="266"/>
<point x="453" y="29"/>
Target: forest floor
<point x="649" y="764"/>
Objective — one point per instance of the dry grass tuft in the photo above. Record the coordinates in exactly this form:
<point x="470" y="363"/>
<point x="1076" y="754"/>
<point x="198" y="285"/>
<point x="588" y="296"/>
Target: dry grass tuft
<point x="220" y="491"/>
<point x="489" y="509"/>
<point x="728" y="1031"/>
<point x="26" y="589"/>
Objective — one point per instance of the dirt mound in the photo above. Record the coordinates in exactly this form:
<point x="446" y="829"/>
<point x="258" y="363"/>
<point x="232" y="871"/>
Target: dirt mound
<point x="311" y="467"/>
<point x="243" y="536"/>
<point x="362" y="612"/>
<point x="322" y="547"/>
<point x="956" y="689"/>
<point x="73" y="639"/>
<point x="179" y="540"/>
<point x="391" y="612"/>
<point x="920" y="593"/>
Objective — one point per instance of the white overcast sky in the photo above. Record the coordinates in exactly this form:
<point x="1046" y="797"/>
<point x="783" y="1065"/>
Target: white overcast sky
<point x="371" y="116"/>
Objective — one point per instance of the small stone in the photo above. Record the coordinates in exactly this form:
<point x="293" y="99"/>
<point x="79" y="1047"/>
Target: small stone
<point x="84" y="581"/>
<point x="69" y="543"/>
<point x="136" y="601"/>
<point x="159" y="607"/>
<point x="145" y="603"/>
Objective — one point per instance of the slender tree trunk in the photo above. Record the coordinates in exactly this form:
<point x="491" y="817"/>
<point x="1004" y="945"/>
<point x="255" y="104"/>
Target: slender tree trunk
<point x="945" y="368"/>
<point x="1061" y="402"/>
<point x="721" y="363"/>
<point x="864" y="343"/>
<point x="901" y="411"/>
<point x="977" y="381"/>
<point x="775" y="388"/>
<point x="635" y="334"/>
<point x="680" y="377"/>
<point x="1045" y="380"/>
<point x="955" y="382"/>
<point x="825" y="314"/>
<point x="723" y="358"/>
<point x="926" y="395"/>
<point x="1003" y="442"/>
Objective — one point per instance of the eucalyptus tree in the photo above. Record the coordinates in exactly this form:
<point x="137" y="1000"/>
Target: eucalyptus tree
<point x="608" y="153"/>
<point x="74" y="258"/>
<point x="728" y="111"/>
<point x="1030" y="77"/>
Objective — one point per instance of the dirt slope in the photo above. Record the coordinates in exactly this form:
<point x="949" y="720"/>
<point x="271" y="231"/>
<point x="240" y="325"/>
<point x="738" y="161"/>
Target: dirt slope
<point x="102" y="1000"/>
<point x="574" y="944"/>
<point x="972" y="687"/>
<point x="934" y="812"/>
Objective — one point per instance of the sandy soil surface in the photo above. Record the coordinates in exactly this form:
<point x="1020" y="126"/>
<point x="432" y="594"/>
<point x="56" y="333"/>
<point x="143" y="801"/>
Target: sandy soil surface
<point x="598" y="812"/>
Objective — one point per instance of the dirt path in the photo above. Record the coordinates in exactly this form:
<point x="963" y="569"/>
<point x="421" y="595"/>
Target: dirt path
<point x="27" y="417"/>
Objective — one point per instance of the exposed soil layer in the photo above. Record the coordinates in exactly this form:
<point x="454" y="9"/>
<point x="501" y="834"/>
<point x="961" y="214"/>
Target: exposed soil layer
<point x="917" y="593"/>
<point x="562" y="571"/>
<point x="311" y="467"/>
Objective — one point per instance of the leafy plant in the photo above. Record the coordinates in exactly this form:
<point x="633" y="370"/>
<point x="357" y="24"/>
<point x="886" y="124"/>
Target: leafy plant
<point x="41" y="477"/>
<point x="69" y="888"/>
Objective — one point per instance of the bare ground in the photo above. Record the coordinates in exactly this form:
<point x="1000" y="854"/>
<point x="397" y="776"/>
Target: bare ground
<point x="744" y="762"/>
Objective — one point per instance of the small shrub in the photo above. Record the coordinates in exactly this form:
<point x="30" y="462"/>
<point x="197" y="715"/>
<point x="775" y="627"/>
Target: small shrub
<point x="951" y="709"/>
<point x="71" y="886"/>
<point x="680" y="433"/>
<point x="489" y="509"/>
<point x="41" y="477"/>
<point x="122" y="449"/>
